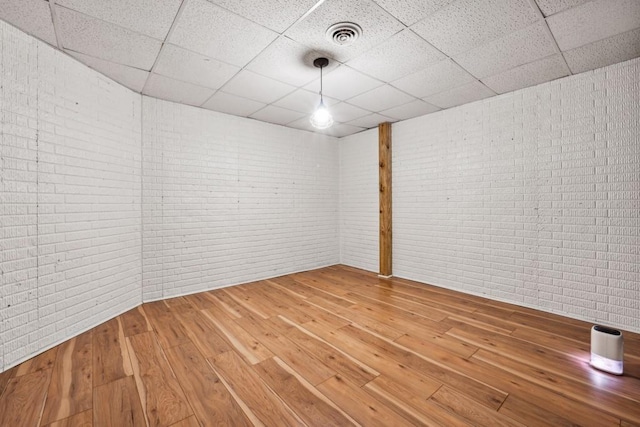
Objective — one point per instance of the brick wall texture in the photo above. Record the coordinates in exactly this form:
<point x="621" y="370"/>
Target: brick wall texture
<point x="70" y="197"/>
<point x="109" y="198"/>
<point x="532" y="197"/>
<point x="228" y="200"/>
<point x="359" y="200"/>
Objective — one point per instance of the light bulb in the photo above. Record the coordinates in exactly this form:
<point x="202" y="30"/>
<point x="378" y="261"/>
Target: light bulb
<point x="321" y="118"/>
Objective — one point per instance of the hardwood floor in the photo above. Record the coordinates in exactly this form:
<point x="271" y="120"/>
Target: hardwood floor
<point x="335" y="346"/>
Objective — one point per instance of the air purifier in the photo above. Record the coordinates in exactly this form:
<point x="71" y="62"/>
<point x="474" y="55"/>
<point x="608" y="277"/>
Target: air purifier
<point x="607" y="349"/>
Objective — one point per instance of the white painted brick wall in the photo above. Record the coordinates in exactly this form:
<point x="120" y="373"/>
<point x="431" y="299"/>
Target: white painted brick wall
<point x="230" y="200"/>
<point x="226" y="200"/>
<point x="532" y="197"/>
<point x="70" y="191"/>
<point x="359" y="219"/>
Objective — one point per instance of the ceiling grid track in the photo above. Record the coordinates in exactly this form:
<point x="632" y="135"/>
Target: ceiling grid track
<point x="254" y="59"/>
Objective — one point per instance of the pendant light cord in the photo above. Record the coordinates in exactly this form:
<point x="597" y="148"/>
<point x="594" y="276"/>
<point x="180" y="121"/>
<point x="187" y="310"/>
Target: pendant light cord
<point x="321" y="99"/>
<point x="321" y="118"/>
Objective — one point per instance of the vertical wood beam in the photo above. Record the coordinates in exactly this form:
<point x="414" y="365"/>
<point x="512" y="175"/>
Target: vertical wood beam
<point x="384" y="172"/>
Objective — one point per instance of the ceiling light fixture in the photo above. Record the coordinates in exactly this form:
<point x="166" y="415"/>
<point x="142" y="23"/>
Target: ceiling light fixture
<point x="321" y="118"/>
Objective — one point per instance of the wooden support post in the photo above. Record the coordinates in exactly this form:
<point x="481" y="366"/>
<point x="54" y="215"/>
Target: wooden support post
<point x="384" y="164"/>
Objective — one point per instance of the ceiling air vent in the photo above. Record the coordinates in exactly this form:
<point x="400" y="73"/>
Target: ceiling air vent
<point x="344" y="33"/>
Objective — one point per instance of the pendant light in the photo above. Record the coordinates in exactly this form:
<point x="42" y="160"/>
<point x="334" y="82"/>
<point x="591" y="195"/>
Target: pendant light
<point x="321" y="117"/>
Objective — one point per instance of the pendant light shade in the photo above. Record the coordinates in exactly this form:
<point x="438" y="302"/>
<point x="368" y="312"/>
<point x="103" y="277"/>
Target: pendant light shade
<point x="321" y="117"/>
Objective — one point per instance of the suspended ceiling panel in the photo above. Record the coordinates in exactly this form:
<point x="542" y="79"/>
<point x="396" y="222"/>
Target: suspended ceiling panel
<point x="254" y="58"/>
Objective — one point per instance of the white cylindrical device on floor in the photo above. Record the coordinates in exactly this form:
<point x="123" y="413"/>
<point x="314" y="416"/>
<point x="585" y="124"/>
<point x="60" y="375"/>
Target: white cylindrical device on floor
<point x="607" y="349"/>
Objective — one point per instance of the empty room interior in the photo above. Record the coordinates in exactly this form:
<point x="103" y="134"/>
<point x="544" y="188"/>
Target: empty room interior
<point x="319" y="212"/>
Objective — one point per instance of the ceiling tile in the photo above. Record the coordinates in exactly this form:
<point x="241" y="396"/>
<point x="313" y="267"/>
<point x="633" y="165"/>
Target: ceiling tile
<point x="392" y="72"/>
<point x="100" y="39"/>
<point x="130" y="77"/>
<point x="277" y="15"/>
<point x="152" y="18"/>
<point x="549" y="7"/>
<point x="215" y="32"/>
<point x="410" y="110"/>
<point x="248" y="84"/>
<point x="371" y="121"/>
<point x="466" y="24"/>
<point x="520" y="47"/>
<point x="594" y="21"/>
<point x="192" y="67"/>
<point x="31" y="16"/>
<point x="377" y="25"/>
<point x="436" y="78"/>
<point x="460" y="95"/>
<point x="303" y="100"/>
<point x="277" y="115"/>
<point x="232" y="104"/>
<point x="176" y="91"/>
<point x="344" y="83"/>
<point x="344" y="112"/>
<point x="604" y="52"/>
<point x="411" y="11"/>
<point x="339" y="130"/>
<point x="381" y="98"/>
<point x="530" y="74"/>
<point x="400" y="55"/>
<point x="288" y="61"/>
<point x="304" y="124"/>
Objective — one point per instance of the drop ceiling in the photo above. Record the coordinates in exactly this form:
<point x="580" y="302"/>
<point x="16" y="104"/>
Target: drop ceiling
<point x="254" y="58"/>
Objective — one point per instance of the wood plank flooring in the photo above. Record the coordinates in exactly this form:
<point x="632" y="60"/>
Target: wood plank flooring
<point x="334" y="346"/>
